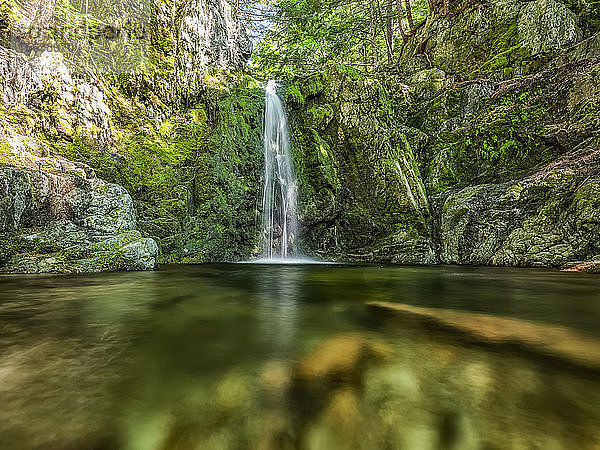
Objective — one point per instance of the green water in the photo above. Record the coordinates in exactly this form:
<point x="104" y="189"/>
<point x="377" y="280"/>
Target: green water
<point x="208" y="357"/>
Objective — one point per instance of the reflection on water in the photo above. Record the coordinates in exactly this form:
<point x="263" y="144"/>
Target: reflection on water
<point x="278" y="296"/>
<point x="287" y="357"/>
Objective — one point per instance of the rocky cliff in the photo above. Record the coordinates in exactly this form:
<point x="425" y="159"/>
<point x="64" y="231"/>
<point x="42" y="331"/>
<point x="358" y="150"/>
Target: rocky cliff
<point x="120" y="91"/>
<point x="484" y="150"/>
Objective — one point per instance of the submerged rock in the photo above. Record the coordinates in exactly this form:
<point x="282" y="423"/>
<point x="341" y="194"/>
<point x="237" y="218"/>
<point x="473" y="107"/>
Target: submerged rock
<point x="322" y="393"/>
<point x="340" y="359"/>
<point x="560" y="343"/>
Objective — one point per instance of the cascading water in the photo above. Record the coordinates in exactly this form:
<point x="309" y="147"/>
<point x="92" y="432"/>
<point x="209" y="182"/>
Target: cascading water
<point x="280" y="220"/>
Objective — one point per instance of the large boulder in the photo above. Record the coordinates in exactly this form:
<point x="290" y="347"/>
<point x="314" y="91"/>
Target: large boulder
<point x="547" y="219"/>
<point x="67" y="223"/>
<point x="546" y="26"/>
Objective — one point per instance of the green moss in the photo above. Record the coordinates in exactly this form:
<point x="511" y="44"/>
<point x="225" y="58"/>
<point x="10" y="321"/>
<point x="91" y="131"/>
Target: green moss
<point x="227" y="179"/>
<point x="505" y="52"/>
<point x="445" y="177"/>
<point x="109" y="261"/>
<point x="117" y="242"/>
<point x="5" y="153"/>
<point x="502" y="136"/>
<point x="326" y="161"/>
<point x="11" y="246"/>
<point x="300" y="89"/>
<point x="42" y="247"/>
<point x="75" y="252"/>
<point x="319" y="115"/>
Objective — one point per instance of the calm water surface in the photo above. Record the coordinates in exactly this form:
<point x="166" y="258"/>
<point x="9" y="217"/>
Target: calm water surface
<point x="245" y="356"/>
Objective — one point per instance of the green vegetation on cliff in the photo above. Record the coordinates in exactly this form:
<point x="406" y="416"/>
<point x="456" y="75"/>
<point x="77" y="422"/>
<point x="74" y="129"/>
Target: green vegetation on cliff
<point x="423" y="131"/>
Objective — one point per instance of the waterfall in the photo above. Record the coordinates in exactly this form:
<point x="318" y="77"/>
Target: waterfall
<point x="280" y="220"/>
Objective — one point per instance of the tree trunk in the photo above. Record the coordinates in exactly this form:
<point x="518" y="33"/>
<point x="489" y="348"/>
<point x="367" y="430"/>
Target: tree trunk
<point x="389" y="35"/>
<point x="401" y="19"/>
<point x="409" y="17"/>
<point x="373" y="24"/>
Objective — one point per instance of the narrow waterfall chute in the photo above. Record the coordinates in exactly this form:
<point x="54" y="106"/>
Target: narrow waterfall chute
<point x="279" y="214"/>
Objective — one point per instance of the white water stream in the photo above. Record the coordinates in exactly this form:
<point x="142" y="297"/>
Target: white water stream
<point x="279" y="214"/>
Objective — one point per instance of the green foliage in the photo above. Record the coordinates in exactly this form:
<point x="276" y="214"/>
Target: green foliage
<point x="5" y="156"/>
<point x="303" y="87"/>
<point x="308" y="36"/>
<point x="10" y="246"/>
<point x="18" y="245"/>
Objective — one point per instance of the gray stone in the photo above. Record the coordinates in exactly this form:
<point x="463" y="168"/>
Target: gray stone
<point x="65" y="223"/>
<point x="15" y="196"/>
<point x="546" y="25"/>
<point x="104" y="207"/>
<point x="141" y="255"/>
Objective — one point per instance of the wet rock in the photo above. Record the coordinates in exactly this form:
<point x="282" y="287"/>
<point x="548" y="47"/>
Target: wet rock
<point x="276" y="377"/>
<point x="233" y="393"/>
<point x="14" y="199"/>
<point x="325" y="388"/>
<point x="344" y="414"/>
<point x="585" y="266"/>
<point x="367" y="179"/>
<point x="104" y="207"/>
<point x="141" y="254"/>
<point x="340" y="426"/>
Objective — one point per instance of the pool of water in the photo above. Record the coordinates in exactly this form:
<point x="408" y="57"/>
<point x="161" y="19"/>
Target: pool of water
<point x="255" y="356"/>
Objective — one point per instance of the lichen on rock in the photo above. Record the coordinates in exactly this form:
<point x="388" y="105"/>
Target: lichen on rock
<point x="64" y="223"/>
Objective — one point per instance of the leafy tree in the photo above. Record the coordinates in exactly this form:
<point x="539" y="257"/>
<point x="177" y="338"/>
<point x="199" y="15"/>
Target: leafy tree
<point x="306" y="35"/>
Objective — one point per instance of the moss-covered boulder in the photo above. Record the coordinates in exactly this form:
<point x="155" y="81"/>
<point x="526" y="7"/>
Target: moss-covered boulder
<point x="544" y="220"/>
<point x="65" y="223"/>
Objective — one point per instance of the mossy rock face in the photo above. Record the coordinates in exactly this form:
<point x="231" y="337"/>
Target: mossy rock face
<point x="451" y="160"/>
<point x="543" y="220"/>
<point x="511" y="131"/>
<point x="224" y="223"/>
<point x="11" y="245"/>
<point x="35" y="254"/>
<point x="498" y="39"/>
<point x="359" y="181"/>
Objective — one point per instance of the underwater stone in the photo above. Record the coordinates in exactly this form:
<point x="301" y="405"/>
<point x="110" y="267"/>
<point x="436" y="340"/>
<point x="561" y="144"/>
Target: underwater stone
<point x="340" y="358"/>
<point x="561" y="343"/>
